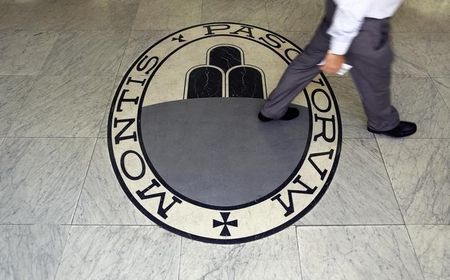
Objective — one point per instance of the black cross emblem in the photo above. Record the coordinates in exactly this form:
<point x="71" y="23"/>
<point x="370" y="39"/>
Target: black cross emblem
<point x="225" y="224"/>
<point x="179" y="39"/>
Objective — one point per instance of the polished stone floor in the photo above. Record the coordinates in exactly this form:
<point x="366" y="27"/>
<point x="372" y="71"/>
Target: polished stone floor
<point x="63" y="214"/>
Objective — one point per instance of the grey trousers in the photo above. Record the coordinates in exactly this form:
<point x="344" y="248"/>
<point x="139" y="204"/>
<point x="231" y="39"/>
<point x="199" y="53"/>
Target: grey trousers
<point x="371" y="57"/>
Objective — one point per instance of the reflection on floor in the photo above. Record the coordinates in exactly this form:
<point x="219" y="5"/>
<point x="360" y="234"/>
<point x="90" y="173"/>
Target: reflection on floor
<point x="63" y="214"/>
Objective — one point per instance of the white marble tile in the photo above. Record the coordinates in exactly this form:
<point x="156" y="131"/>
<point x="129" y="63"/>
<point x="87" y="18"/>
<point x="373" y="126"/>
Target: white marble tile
<point x="443" y="86"/>
<point x="86" y="53"/>
<point x="432" y="245"/>
<point x="100" y="14"/>
<point x="417" y="100"/>
<point x="102" y="200"/>
<point x="411" y="56"/>
<point x="354" y="120"/>
<point x="249" y="12"/>
<point x="31" y="252"/>
<point x="418" y="169"/>
<point x="360" y="192"/>
<point x="422" y="16"/>
<point x="63" y="107"/>
<point x="295" y="15"/>
<point x="274" y="257"/>
<point x="163" y="15"/>
<point x="354" y="253"/>
<point x="24" y="52"/>
<point x="13" y="90"/>
<point x="41" y="179"/>
<point x="145" y="252"/>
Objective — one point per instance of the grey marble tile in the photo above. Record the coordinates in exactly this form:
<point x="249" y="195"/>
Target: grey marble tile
<point x="13" y="90"/>
<point x="418" y="169"/>
<point x="100" y="14"/>
<point x="249" y="12"/>
<point x="103" y="132"/>
<point x="274" y="257"/>
<point x="163" y="15"/>
<point x="301" y="39"/>
<point x="422" y="54"/>
<point x="41" y="179"/>
<point x="86" y="53"/>
<point x="138" y="43"/>
<point x="417" y="100"/>
<point x="411" y="56"/>
<point x="360" y="192"/>
<point x="63" y="107"/>
<point x="438" y="64"/>
<point x="432" y="245"/>
<point x="295" y="15"/>
<point x="422" y="16"/>
<point x="354" y="120"/>
<point x="443" y="86"/>
<point x="24" y="52"/>
<point x="31" y="252"/>
<point x="120" y="253"/>
<point x="371" y="253"/>
<point x="102" y="200"/>
<point x="33" y="15"/>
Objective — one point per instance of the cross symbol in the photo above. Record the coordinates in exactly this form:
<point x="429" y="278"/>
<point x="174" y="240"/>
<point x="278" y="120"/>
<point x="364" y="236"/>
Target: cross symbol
<point x="179" y="39"/>
<point x="225" y="224"/>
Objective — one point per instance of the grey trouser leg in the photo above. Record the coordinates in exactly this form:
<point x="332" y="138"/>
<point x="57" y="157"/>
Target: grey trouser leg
<point x="297" y="75"/>
<point x="371" y="57"/>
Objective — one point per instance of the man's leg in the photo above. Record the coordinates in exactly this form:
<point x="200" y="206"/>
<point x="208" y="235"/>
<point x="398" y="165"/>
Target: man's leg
<point x="298" y="75"/>
<point x="371" y="58"/>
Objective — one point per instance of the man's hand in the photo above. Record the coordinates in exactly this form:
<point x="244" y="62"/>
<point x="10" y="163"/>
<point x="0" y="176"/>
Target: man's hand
<point x="333" y="63"/>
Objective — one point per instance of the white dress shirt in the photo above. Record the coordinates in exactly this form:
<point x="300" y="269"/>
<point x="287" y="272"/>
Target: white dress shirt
<point x="349" y="17"/>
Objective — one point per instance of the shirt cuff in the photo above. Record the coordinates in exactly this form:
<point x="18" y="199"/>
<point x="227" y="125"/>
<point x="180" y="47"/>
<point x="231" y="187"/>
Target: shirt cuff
<point x="339" y="47"/>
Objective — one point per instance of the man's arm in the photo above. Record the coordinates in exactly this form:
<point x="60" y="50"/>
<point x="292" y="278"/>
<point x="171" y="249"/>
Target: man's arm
<point x="347" y="21"/>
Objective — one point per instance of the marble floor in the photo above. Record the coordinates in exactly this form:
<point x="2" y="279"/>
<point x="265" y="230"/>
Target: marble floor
<point x="63" y="214"/>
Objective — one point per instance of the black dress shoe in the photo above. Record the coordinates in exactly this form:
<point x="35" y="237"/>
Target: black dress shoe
<point x="401" y="130"/>
<point x="290" y="114"/>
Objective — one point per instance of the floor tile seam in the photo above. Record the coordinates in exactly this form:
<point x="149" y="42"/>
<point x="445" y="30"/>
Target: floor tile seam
<point x="390" y="180"/>
<point x="202" y="10"/>
<point x="348" y="225"/>
<point x="58" y="30"/>
<point x="439" y="92"/>
<point x="415" y="253"/>
<point x="113" y="89"/>
<point x="179" y="259"/>
<point x="418" y="32"/>
<point x="415" y="138"/>
<point x="151" y="225"/>
<point x="400" y="209"/>
<point x="51" y="137"/>
<point x="63" y="251"/>
<point x="297" y="237"/>
<point x="84" y="181"/>
<point x="78" y="225"/>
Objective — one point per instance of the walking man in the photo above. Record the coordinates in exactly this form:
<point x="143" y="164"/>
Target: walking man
<point x="356" y="33"/>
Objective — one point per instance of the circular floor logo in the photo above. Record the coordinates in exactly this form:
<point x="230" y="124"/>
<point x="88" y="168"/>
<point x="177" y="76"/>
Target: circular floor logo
<point x="188" y="149"/>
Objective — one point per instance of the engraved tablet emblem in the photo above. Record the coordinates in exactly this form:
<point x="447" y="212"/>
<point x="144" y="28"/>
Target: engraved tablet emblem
<point x="187" y="147"/>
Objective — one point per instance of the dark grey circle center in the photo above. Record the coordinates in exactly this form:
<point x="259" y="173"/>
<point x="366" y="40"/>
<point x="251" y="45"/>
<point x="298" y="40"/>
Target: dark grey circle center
<point x="215" y="151"/>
